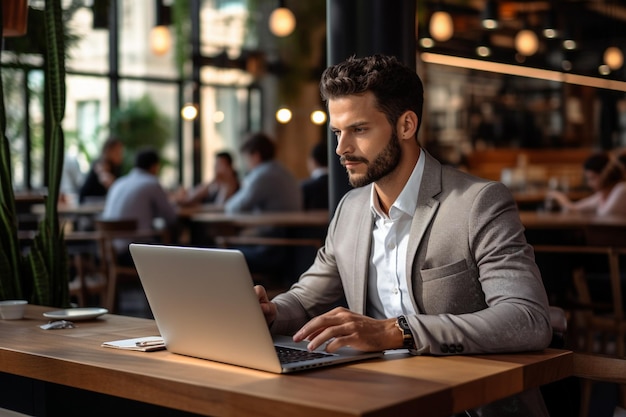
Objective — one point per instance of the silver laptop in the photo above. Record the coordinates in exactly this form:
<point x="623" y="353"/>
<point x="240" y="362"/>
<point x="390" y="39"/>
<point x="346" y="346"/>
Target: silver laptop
<point x="205" y="306"/>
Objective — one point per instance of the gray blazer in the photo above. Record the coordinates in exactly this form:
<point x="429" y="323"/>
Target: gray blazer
<point x="475" y="283"/>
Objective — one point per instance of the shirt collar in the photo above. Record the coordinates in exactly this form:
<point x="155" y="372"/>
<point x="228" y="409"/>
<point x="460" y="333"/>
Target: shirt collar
<point x="318" y="172"/>
<point x="407" y="200"/>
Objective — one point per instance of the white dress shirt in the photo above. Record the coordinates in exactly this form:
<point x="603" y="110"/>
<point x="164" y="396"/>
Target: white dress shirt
<point x="388" y="287"/>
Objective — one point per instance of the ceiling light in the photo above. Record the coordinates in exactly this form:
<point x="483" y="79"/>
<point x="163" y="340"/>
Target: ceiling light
<point x="318" y="117"/>
<point x="569" y="44"/>
<point x="484" y="46"/>
<point x="549" y="28"/>
<point x="427" y="43"/>
<point x="526" y="42"/>
<point x="489" y="18"/>
<point x="604" y="69"/>
<point x="613" y="58"/>
<point x="283" y="115"/>
<point x="282" y="22"/>
<point x="483" y="51"/>
<point x="160" y="40"/>
<point x="425" y="40"/>
<point x="441" y="26"/>
<point x="189" y="111"/>
<point x="549" y="33"/>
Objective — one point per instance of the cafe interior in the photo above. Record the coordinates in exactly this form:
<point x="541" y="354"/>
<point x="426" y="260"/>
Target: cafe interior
<point x="517" y="91"/>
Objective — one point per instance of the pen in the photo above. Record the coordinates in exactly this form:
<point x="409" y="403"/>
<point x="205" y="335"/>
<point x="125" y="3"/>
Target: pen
<point x="144" y="343"/>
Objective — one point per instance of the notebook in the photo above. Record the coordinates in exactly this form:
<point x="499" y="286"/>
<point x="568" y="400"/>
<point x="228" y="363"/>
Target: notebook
<point x="205" y="306"/>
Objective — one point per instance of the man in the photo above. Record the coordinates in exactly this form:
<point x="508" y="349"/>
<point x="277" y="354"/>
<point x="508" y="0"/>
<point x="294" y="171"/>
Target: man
<point x="427" y="257"/>
<point x="315" y="188"/>
<point x="139" y="195"/>
<point x="268" y="187"/>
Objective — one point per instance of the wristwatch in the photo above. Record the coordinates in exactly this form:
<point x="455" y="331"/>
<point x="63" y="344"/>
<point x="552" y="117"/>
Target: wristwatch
<point x="407" y="337"/>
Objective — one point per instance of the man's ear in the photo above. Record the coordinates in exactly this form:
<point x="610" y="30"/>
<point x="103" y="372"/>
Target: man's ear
<point x="407" y="125"/>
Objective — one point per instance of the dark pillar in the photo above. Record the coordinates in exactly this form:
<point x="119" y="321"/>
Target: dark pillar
<point x="114" y="76"/>
<point x="196" y="94"/>
<point x="362" y="28"/>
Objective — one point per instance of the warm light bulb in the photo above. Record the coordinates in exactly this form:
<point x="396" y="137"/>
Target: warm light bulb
<point x="318" y="117"/>
<point x="613" y="58"/>
<point x="283" y="115"/>
<point x="282" y="22"/>
<point x="483" y="51"/>
<point x="218" y="116"/>
<point x="569" y="44"/>
<point x="441" y="26"/>
<point x="160" y="40"/>
<point x="604" y="69"/>
<point x="189" y="111"/>
<point x="526" y="42"/>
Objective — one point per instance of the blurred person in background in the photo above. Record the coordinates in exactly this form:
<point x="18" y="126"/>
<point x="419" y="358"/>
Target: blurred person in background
<point x="315" y="188"/>
<point x="72" y="177"/>
<point x="267" y="187"/>
<point x="225" y="183"/>
<point x="104" y="171"/>
<point x="139" y="196"/>
<point x="604" y="175"/>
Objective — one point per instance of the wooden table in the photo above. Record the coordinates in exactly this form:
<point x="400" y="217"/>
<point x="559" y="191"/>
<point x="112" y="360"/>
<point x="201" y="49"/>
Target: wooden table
<point x="533" y="219"/>
<point x="70" y="210"/>
<point x="536" y="197"/>
<point x="392" y="386"/>
<point x="215" y="227"/>
<point x="314" y="218"/>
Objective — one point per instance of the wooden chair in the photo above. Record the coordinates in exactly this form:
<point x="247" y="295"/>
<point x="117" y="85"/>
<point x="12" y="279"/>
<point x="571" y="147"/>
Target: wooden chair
<point x="111" y="230"/>
<point x="587" y="368"/>
<point x="126" y="229"/>
<point x="90" y="279"/>
<point x="597" y="325"/>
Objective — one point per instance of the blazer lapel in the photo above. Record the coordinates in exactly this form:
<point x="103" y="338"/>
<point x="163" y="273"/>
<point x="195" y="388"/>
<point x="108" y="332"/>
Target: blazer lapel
<point x="425" y="211"/>
<point x="361" y="261"/>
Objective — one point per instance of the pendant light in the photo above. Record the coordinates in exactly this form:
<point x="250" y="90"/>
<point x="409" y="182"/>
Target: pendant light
<point x="613" y="56"/>
<point x="160" y="36"/>
<point x="441" y="26"/>
<point x="282" y="21"/>
<point x="489" y="16"/>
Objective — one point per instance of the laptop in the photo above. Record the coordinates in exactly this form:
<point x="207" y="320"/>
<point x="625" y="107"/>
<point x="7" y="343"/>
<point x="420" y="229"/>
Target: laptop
<point x="204" y="305"/>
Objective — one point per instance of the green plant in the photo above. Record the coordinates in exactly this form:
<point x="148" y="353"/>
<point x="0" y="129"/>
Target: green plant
<point x="41" y="276"/>
<point x="139" y="123"/>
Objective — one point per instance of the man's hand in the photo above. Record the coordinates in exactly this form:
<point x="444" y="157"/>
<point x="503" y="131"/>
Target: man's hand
<point x="268" y="308"/>
<point x="341" y="327"/>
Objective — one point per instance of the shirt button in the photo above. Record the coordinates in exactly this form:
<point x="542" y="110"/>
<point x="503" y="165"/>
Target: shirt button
<point x="392" y="246"/>
<point x="395" y="291"/>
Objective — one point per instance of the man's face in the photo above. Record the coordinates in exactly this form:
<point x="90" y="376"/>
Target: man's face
<point x="367" y="144"/>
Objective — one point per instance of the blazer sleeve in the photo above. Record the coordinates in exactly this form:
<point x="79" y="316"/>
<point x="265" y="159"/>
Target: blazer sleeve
<point x="491" y="301"/>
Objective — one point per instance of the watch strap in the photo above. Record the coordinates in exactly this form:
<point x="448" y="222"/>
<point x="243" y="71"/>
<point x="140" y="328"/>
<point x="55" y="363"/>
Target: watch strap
<point x="407" y="337"/>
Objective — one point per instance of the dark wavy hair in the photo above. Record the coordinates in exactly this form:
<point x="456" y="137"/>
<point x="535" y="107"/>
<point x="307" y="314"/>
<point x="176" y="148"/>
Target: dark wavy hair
<point x="610" y="170"/>
<point x="397" y="87"/>
<point x="261" y="143"/>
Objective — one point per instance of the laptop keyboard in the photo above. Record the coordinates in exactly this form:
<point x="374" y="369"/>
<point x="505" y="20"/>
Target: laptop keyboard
<point x="291" y="355"/>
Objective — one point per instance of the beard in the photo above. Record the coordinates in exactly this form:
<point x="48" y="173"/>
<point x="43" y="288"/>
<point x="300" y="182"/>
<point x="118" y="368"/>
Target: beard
<point x="384" y="163"/>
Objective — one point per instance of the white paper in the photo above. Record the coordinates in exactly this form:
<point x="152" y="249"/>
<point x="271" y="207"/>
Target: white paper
<point x="142" y="344"/>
